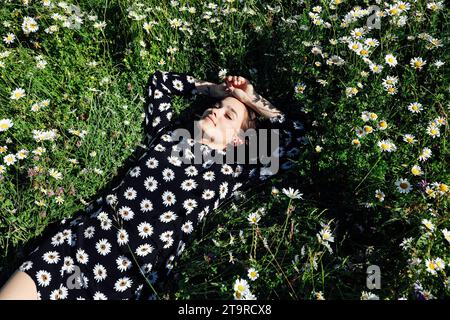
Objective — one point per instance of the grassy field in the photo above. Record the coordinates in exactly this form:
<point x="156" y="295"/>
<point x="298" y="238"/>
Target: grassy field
<point x="374" y="173"/>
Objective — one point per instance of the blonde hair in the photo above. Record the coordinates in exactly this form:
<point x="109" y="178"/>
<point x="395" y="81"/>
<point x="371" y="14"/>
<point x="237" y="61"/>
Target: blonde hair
<point x="251" y="120"/>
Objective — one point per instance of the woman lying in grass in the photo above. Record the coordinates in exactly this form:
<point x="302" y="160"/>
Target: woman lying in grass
<point x="132" y="236"/>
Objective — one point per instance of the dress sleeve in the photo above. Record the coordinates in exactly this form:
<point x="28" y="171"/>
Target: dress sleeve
<point x="161" y="86"/>
<point x="290" y="133"/>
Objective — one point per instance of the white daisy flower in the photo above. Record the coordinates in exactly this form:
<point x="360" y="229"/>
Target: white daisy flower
<point x="5" y="124"/>
<point x="17" y="94"/>
<point x="417" y="63"/>
<point x="391" y="60"/>
<point x="415" y="107"/>
<point x="253" y="274"/>
<point x="253" y="218"/>
<point x="403" y="186"/>
<point x="292" y="193"/>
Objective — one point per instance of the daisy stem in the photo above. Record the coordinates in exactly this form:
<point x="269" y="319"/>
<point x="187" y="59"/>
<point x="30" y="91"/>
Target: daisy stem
<point x="379" y="158"/>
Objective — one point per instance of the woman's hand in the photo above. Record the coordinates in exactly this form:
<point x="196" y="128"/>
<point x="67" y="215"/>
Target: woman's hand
<point x="240" y="83"/>
<point x="244" y="91"/>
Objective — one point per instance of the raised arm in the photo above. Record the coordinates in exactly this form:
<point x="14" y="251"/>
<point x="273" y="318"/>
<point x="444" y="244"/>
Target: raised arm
<point x="290" y="130"/>
<point x="162" y="86"/>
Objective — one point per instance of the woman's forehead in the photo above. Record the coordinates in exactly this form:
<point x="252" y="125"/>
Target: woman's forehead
<point x="233" y="104"/>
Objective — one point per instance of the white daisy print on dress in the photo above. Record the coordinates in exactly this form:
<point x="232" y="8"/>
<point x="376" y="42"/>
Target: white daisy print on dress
<point x="130" y="194"/>
<point x="226" y="169"/>
<point x="177" y="84"/>
<point x="51" y="257"/>
<point x="123" y="284"/>
<point x="82" y="257"/>
<point x="111" y="199"/>
<point x="99" y="272"/>
<point x="146" y="205"/>
<point x="168" y="198"/>
<point x="126" y="213"/>
<point x="122" y="237"/>
<point x="59" y="294"/>
<point x="174" y="160"/>
<point x="68" y="265"/>
<point x="223" y="189"/>
<point x="208" y="194"/>
<point x="209" y="176"/>
<point x="159" y="147"/>
<point x="152" y="163"/>
<point x="99" y="296"/>
<point x="168" y="174"/>
<point x="191" y="171"/>
<point x="43" y="277"/>
<point x="150" y="184"/>
<point x="187" y="227"/>
<point x="189" y="205"/>
<point x="135" y="172"/>
<point x="89" y="232"/>
<point x="123" y="263"/>
<point x="168" y="216"/>
<point x="188" y="184"/>
<point x="103" y="247"/>
<point x="58" y="239"/>
<point x="145" y="229"/>
<point x="144" y="249"/>
<point x="27" y="265"/>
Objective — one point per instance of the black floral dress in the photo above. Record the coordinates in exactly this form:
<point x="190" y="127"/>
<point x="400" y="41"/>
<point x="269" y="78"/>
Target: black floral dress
<point x="131" y="237"/>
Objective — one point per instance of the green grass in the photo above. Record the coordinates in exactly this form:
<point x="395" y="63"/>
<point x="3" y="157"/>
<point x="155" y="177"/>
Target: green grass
<point x="339" y="182"/>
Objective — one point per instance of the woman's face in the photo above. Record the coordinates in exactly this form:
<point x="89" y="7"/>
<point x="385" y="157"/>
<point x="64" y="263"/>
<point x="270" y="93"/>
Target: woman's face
<point x="222" y="122"/>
